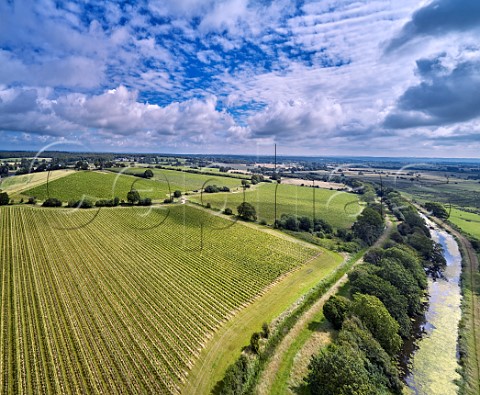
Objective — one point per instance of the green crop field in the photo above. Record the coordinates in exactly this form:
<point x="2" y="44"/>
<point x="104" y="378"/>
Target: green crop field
<point x="339" y="209"/>
<point x="98" y="185"/>
<point x="469" y="222"/>
<point x="16" y="185"/>
<point x="187" y="181"/>
<point x="123" y="300"/>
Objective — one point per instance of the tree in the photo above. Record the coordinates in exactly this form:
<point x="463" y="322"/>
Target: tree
<point x="247" y="212"/>
<point x="375" y="316"/>
<point x="228" y="211"/>
<point x="265" y="330"/>
<point x="305" y="224"/>
<point x="374" y="255"/>
<point x="255" y="342"/>
<point x="83" y="203"/>
<point x="256" y="178"/>
<point x="396" y="274"/>
<point x="148" y="173"/>
<point x="4" y="170"/>
<point x="408" y="258"/>
<point x="145" y="202"/>
<point x="340" y="370"/>
<point x="335" y="310"/>
<point x="380" y="365"/>
<point x="364" y="280"/>
<point x="321" y="225"/>
<point x="133" y="196"/>
<point x="52" y="202"/>
<point x="177" y="194"/>
<point x="369" y="226"/>
<point x="4" y="199"/>
<point x="211" y="189"/>
<point x="235" y="377"/>
<point x="437" y="210"/>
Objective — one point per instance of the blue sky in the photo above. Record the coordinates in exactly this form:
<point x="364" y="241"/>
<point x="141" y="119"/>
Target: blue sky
<point x="381" y="78"/>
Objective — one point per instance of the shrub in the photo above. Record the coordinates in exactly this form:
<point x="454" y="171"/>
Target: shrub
<point x="211" y="189"/>
<point x="265" y="330"/>
<point x="247" y="212"/>
<point x="255" y="342"/>
<point x="148" y="173"/>
<point x="52" y="202"/>
<point x="84" y="203"/>
<point x="4" y="199"/>
<point x="228" y="211"/>
<point x="145" y="202"/>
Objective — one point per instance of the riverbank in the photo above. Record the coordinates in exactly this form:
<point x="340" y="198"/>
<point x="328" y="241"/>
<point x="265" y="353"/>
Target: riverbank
<point x="469" y="326"/>
<point x="434" y="364"/>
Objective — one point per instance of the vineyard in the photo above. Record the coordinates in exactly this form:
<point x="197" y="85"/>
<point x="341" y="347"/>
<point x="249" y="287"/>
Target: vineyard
<point x="123" y="300"/>
<point x="18" y="184"/>
<point x="187" y="181"/>
<point x="106" y="185"/>
<point x="339" y="209"/>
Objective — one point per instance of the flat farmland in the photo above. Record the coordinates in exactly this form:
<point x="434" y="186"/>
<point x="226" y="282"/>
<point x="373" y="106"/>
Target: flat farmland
<point x="123" y="300"/>
<point x="468" y="222"/>
<point x="339" y="209"/>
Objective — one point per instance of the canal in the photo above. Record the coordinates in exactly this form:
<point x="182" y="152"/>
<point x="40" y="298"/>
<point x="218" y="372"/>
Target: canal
<point x="433" y="365"/>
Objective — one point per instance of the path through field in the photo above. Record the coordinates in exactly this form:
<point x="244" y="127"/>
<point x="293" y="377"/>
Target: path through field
<point x="270" y="383"/>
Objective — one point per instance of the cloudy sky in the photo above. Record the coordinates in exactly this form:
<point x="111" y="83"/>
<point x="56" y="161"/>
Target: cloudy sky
<point x="328" y="77"/>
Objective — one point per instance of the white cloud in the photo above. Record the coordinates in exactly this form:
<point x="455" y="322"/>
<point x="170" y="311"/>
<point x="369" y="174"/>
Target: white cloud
<point x="115" y="114"/>
<point x="297" y="120"/>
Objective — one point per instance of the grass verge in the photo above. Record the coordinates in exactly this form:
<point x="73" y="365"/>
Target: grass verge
<point x="226" y="345"/>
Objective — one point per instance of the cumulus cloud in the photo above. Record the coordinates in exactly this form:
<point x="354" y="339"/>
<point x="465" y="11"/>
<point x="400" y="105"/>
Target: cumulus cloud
<point x="295" y="120"/>
<point x="116" y="113"/>
<point x="439" y="17"/>
<point x="207" y="72"/>
<point x="443" y="96"/>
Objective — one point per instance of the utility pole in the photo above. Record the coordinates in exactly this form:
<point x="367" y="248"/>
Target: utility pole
<point x="314" y="203"/>
<point x="381" y="195"/>
<point x="276" y="186"/>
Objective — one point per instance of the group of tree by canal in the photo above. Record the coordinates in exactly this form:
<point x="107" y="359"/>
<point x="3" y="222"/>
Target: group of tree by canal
<point x="387" y="293"/>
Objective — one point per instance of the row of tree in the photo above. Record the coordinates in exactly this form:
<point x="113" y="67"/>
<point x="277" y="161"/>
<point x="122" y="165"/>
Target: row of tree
<point x="303" y="223"/>
<point x="388" y="292"/>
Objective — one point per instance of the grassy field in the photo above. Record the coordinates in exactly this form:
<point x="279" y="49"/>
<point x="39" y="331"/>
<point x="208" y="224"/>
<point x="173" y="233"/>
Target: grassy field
<point x="339" y="209"/>
<point x="187" y="181"/>
<point x="17" y="185"/>
<point x="463" y="193"/>
<point x="468" y="222"/>
<point x="118" y="301"/>
<point x="106" y="185"/>
<point x="97" y="185"/>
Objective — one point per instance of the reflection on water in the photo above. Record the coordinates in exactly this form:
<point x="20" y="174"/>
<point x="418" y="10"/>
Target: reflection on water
<point x="432" y="368"/>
